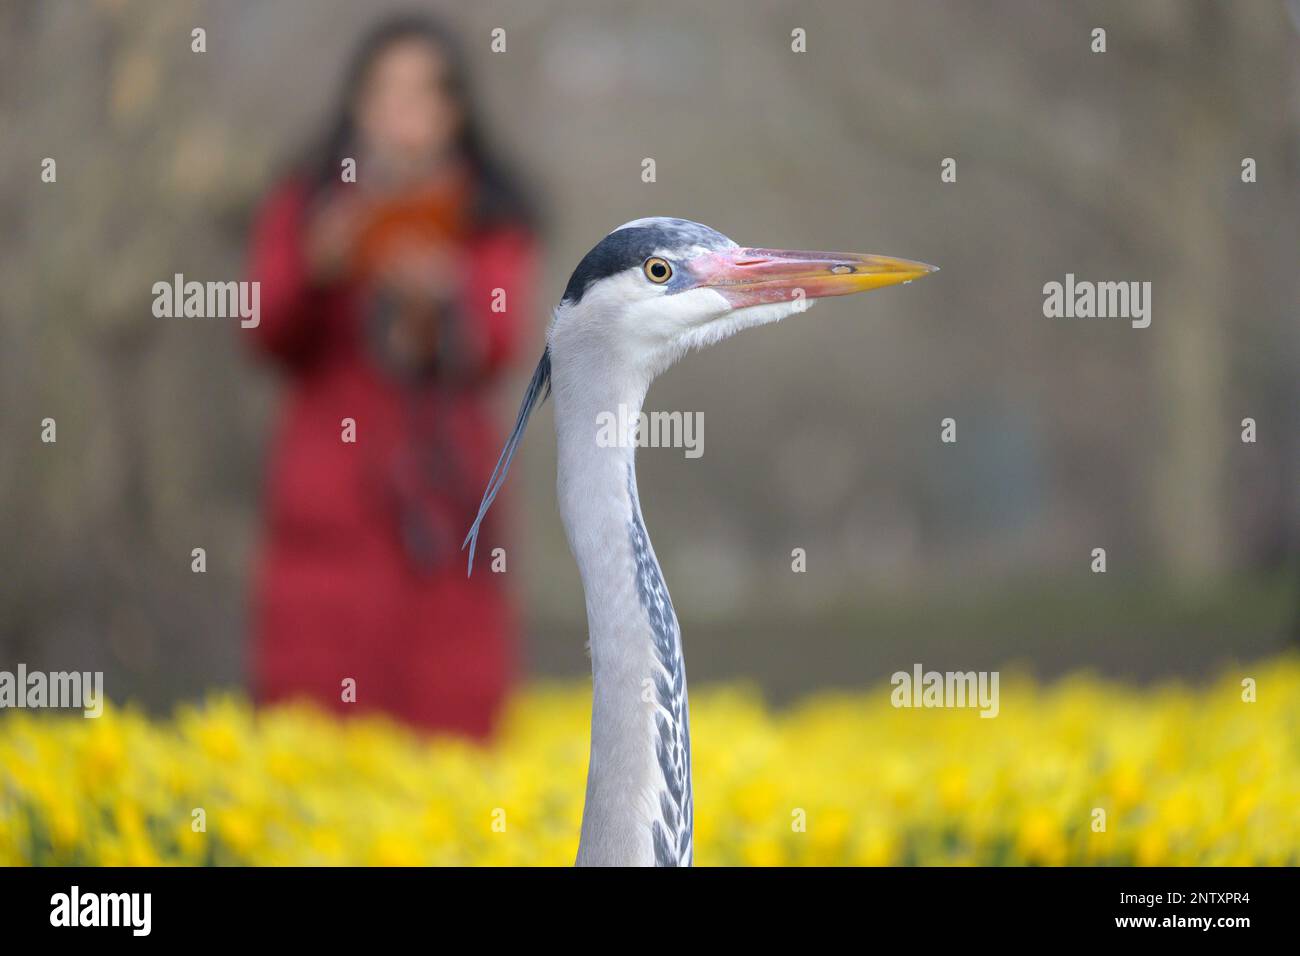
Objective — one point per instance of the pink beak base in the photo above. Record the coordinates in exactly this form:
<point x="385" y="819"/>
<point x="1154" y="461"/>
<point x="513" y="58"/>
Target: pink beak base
<point x="746" y="277"/>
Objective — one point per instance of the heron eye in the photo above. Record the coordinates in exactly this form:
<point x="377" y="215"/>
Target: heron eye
<point x="657" y="270"/>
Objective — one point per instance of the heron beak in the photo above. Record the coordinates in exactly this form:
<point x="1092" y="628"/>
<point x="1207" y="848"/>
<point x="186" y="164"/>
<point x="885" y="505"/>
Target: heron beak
<point x="746" y="277"/>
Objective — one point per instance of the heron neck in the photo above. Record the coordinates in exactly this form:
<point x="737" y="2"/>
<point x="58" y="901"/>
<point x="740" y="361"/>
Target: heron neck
<point x="638" y="804"/>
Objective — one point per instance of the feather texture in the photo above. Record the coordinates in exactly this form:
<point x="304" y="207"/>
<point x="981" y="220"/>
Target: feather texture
<point x="673" y="834"/>
<point x="539" y="388"/>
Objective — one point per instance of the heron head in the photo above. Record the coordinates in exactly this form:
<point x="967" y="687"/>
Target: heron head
<point x="655" y="288"/>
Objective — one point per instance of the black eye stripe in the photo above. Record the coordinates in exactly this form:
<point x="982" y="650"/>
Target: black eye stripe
<point x="628" y="248"/>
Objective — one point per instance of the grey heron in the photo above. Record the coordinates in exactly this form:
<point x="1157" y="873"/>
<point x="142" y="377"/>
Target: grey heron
<point x="646" y="294"/>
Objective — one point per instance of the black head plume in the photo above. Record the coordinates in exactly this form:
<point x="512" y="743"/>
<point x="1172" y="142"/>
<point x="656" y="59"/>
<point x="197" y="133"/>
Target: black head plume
<point x="539" y="388"/>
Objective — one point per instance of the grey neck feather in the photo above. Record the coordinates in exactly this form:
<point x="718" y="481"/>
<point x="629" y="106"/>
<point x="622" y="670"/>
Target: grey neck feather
<point x="673" y="831"/>
<point x="638" y="808"/>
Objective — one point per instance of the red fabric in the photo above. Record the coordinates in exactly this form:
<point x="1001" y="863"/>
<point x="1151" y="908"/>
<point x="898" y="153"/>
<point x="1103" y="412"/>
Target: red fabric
<point x="337" y="593"/>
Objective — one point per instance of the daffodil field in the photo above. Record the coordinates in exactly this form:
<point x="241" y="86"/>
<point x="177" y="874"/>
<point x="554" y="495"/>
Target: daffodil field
<point x="1082" y="771"/>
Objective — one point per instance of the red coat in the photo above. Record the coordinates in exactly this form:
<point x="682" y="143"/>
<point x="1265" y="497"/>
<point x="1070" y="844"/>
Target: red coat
<point x="360" y="573"/>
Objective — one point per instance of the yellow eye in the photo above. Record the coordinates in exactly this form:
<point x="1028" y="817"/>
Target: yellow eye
<point x="657" y="270"/>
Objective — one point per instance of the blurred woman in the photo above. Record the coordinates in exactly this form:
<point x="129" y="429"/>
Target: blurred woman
<point x="395" y="276"/>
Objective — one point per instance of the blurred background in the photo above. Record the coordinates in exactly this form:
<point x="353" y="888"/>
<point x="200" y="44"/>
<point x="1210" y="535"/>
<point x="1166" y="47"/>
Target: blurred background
<point x="820" y="434"/>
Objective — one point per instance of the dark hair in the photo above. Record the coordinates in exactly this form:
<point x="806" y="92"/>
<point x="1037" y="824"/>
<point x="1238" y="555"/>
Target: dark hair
<point x="500" y="198"/>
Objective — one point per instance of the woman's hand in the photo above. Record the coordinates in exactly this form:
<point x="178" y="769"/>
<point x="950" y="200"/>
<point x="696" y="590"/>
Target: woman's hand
<point x="420" y="272"/>
<point x="331" y="236"/>
<point x="422" y="276"/>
